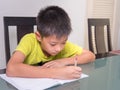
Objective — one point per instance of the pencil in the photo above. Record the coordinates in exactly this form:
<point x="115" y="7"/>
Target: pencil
<point x="75" y="61"/>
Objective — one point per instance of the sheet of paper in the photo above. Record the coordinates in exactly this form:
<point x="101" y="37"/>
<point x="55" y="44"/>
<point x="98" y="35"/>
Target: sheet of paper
<point x="30" y="83"/>
<point x="35" y="83"/>
<point x="67" y="81"/>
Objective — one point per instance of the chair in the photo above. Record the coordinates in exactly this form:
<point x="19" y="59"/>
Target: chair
<point x="99" y="37"/>
<point x="23" y="26"/>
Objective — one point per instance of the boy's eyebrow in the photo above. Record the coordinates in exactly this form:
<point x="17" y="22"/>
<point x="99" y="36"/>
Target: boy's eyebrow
<point x="54" y="42"/>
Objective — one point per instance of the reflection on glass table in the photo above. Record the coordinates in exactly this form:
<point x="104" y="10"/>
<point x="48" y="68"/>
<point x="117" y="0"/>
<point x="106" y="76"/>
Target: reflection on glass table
<point x="104" y="74"/>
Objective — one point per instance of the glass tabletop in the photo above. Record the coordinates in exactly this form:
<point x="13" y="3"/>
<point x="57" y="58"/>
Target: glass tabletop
<point x="104" y="74"/>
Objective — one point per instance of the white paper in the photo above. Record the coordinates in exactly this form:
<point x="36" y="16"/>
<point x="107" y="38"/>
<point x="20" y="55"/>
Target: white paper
<point x="67" y="81"/>
<point x="35" y="83"/>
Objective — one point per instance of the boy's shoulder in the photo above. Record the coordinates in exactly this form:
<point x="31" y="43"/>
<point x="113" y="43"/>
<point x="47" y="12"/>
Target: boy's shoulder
<point x="68" y="43"/>
<point x="29" y="35"/>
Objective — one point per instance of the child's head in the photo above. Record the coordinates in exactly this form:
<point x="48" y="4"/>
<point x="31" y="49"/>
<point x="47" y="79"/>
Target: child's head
<point x="53" y="26"/>
<point x="53" y="20"/>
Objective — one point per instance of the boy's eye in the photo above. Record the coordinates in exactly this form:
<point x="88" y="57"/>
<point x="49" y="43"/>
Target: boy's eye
<point x="52" y="44"/>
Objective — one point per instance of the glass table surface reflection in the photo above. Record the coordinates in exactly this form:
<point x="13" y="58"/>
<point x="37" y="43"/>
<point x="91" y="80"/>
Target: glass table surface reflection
<point x="104" y="74"/>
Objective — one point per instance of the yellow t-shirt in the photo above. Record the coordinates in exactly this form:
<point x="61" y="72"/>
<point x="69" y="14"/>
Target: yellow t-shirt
<point x="31" y="48"/>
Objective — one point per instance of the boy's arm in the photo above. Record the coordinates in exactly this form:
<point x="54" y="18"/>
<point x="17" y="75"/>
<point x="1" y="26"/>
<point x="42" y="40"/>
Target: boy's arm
<point x="16" y="68"/>
<point x="86" y="57"/>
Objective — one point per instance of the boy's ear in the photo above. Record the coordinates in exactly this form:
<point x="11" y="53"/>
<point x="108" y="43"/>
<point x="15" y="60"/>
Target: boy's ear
<point x="38" y="36"/>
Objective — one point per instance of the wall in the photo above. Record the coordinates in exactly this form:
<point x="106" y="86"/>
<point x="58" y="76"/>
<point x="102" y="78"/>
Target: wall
<point x="116" y="25"/>
<point x="75" y="9"/>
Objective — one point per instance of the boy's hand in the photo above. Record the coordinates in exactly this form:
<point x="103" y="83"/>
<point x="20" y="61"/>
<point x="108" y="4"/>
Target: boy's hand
<point x="68" y="72"/>
<point x="53" y="64"/>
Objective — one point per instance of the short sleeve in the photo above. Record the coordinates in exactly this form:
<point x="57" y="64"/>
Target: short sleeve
<point x="25" y="45"/>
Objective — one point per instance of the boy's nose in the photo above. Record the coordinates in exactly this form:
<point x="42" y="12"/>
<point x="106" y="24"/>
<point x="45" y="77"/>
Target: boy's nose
<point x="58" y="49"/>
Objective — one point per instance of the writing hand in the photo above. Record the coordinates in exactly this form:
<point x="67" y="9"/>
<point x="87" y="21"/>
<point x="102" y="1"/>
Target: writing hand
<point x="69" y="72"/>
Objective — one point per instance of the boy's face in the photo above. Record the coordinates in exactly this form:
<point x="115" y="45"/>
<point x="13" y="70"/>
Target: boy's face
<point x="51" y="45"/>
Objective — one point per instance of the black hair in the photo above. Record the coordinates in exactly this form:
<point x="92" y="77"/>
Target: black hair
<point x="53" y="20"/>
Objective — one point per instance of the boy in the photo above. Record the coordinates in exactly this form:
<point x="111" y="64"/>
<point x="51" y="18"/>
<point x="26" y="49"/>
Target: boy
<point x="50" y="48"/>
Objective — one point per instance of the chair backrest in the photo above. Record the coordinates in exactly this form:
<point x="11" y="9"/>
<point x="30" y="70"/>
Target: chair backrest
<point x="99" y="35"/>
<point x="23" y="26"/>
